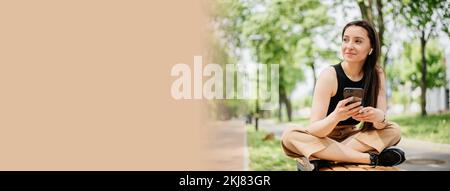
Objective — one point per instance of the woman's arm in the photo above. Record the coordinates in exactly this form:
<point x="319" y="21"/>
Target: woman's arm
<point x="382" y="101"/>
<point x="320" y="124"/>
<point x="376" y="115"/>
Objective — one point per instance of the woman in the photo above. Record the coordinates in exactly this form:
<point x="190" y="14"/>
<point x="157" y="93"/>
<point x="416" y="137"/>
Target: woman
<point x="332" y="134"/>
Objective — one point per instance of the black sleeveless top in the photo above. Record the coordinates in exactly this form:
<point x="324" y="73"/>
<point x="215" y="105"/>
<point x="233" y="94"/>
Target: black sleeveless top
<point x="343" y="82"/>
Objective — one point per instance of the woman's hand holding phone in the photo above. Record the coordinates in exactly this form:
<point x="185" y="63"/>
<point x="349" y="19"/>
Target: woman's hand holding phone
<point x="343" y="111"/>
<point x="370" y="114"/>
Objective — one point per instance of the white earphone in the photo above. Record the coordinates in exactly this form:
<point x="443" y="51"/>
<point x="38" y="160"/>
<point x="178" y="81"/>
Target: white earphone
<point x="370" y="51"/>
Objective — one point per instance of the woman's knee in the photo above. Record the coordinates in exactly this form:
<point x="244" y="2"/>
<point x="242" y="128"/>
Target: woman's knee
<point x="287" y="136"/>
<point x="286" y="143"/>
<point x="294" y="141"/>
<point x="394" y="131"/>
<point x="294" y="134"/>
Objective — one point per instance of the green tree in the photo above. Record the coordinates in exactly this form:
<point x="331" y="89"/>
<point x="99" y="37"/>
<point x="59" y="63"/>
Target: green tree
<point x="228" y="17"/>
<point x="309" y="53"/>
<point x="225" y="42"/>
<point x="406" y="67"/>
<point x="282" y="25"/>
<point x="426" y="18"/>
<point x="284" y="31"/>
<point x="224" y="109"/>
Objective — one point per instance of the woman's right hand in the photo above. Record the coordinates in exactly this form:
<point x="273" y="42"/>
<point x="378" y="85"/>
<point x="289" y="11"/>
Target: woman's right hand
<point x="343" y="112"/>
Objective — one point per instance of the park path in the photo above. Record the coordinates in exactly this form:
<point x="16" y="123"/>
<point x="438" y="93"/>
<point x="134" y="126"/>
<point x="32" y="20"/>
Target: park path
<point x="228" y="146"/>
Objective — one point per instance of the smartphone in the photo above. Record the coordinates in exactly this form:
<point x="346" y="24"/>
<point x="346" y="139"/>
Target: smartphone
<point x="357" y="93"/>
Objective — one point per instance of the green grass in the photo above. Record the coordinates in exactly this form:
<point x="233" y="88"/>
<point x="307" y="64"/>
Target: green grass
<point x="266" y="155"/>
<point x="300" y="120"/>
<point x="435" y="128"/>
<point x="297" y="120"/>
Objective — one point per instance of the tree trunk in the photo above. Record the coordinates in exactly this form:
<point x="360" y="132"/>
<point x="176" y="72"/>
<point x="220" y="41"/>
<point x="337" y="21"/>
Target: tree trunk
<point x="381" y="28"/>
<point x="283" y="97"/>
<point x="386" y="56"/>
<point x="366" y="10"/>
<point x="280" y="92"/>
<point x="423" y="84"/>
<point x="313" y="68"/>
<point x="280" y="108"/>
<point x="289" y="109"/>
<point x="287" y="103"/>
<point x="380" y="21"/>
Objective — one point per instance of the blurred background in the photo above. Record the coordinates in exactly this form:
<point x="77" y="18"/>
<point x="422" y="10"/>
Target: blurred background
<point x="303" y="37"/>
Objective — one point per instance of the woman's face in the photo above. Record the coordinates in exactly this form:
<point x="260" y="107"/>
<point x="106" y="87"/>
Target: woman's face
<point x="355" y="44"/>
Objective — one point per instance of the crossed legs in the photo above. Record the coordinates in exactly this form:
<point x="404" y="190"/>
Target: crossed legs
<point x="343" y="153"/>
<point x="354" y="149"/>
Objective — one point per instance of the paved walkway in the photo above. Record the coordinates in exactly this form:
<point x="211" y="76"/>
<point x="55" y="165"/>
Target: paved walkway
<point x="228" y="146"/>
<point x="420" y="155"/>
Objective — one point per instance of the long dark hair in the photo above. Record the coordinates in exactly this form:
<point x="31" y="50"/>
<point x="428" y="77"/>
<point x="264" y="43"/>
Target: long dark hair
<point x="371" y="67"/>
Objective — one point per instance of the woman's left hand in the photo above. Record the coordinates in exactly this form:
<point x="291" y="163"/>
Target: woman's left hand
<point x="369" y="114"/>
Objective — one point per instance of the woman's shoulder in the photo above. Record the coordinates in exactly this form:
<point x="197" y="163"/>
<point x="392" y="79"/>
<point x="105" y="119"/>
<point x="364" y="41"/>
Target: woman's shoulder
<point x="327" y="80"/>
<point x="328" y="74"/>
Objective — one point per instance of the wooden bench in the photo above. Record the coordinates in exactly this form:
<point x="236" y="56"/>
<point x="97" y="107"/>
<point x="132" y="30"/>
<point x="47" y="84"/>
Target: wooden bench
<point x="355" y="167"/>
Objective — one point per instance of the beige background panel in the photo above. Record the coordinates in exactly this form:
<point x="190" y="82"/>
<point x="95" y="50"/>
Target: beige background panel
<point x="85" y="85"/>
